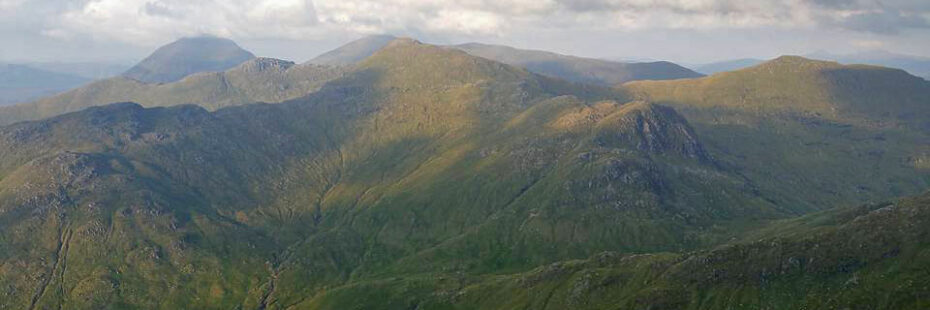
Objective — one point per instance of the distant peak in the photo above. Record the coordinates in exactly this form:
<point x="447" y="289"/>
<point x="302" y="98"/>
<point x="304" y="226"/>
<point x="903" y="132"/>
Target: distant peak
<point x="187" y="56"/>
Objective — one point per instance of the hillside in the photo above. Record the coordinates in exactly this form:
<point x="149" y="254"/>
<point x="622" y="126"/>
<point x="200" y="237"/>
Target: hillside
<point x="421" y="160"/>
<point x="869" y="257"/>
<point x="20" y="83"/>
<point x="187" y="56"/>
<point x="257" y="80"/>
<point x="822" y="132"/>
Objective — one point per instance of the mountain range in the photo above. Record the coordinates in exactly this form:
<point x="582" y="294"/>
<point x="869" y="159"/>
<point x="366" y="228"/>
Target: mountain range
<point x="393" y="174"/>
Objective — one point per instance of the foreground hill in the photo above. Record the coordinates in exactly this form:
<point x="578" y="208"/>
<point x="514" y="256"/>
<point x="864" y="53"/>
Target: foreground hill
<point x="869" y="257"/>
<point x="20" y="83"/>
<point x="187" y="56"/>
<point x="422" y="160"/>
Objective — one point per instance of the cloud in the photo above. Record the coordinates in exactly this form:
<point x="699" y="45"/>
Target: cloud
<point x="147" y="22"/>
<point x="881" y="21"/>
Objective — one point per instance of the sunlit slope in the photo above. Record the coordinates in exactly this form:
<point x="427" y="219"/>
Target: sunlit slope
<point x="423" y="159"/>
<point x="819" y="133"/>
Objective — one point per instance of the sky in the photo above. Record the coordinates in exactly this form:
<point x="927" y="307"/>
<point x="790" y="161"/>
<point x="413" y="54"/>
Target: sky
<point x="687" y="31"/>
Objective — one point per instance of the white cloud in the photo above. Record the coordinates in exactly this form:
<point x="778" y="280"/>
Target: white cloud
<point x="149" y="22"/>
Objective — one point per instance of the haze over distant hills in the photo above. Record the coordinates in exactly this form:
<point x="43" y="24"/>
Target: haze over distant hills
<point x="89" y="70"/>
<point x="415" y="176"/>
<point x="728" y="65"/>
<point x="21" y="83"/>
<point x="186" y="56"/>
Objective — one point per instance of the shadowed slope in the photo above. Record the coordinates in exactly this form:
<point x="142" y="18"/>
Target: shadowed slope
<point x="869" y="257"/>
<point x="423" y="159"/>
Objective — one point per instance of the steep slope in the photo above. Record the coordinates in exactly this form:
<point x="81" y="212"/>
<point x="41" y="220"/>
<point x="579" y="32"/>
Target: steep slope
<point x="19" y="83"/>
<point x="869" y="257"/>
<point x="421" y="160"/>
<point x="187" y="56"/>
<point x="256" y="80"/>
<point x="822" y="132"/>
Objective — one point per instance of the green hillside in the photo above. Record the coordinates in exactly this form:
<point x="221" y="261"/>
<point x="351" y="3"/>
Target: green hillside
<point x="423" y="160"/>
<point x="820" y="133"/>
<point x="424" y="177"/>
<point x="869" y="257"/>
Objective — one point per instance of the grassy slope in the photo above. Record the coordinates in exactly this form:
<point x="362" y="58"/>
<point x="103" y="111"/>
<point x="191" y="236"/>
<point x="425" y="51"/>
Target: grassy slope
<point x="798" y="127"/>
<point x="424" y="177"/>
<point x="869" y="257"/>
<point x="424" y="159"/>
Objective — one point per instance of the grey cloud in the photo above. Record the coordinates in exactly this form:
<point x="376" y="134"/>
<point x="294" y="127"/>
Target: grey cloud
<point x="883" y="22"/>
<point x="156" y="8"/>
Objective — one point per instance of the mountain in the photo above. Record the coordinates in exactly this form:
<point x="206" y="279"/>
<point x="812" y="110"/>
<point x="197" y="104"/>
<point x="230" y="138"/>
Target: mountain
<point x="421" y="160"/>
<point x="804" y="124"/>
<point x="187" y="56"/>
<point x="575" y="69"/>
<point x="354" y="51"/>
<point x="256" y="80"/>
<point x="424" y="177"/>
<point x="916" y="65"/>
<point x="239" y="86"/>
<point x="20" y="83"/>
<point x="729" y="65"/>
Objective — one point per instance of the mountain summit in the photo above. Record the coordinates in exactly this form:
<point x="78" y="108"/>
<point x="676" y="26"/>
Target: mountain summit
<point x="187" y="56"/>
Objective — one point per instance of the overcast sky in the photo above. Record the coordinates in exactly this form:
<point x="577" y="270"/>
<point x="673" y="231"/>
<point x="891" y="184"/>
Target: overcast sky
<point x="690" y="31"/>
